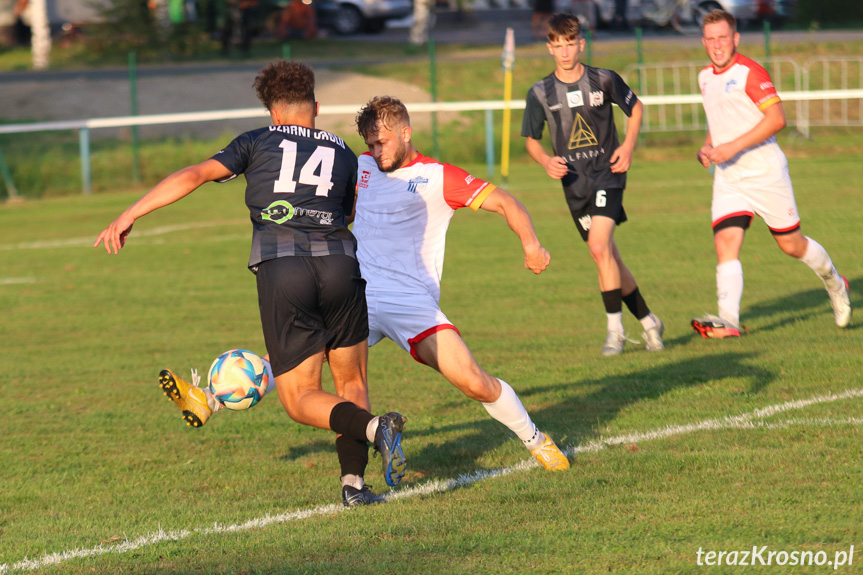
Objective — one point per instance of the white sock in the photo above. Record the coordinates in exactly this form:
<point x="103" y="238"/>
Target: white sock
<point x="211" y="401"/>
<point x="271" y="384"/>
<point x="615" y="322"/>
<point x="354" y="481"/>
<point x="372" y="428"/>
<point x="509" y="411"/>
<point x="729" y="290"/>
<point x="819" y="261"/>
<point x="649" y="321"/>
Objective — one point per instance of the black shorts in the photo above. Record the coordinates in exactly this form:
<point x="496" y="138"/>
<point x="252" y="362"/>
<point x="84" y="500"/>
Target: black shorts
<point x="608" y="203"/>
<point x="309" y="304"/>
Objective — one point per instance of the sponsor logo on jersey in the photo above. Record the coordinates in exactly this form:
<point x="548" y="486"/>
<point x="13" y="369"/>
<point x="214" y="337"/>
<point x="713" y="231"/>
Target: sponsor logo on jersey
<point x="582" y="136"/>
<point x="628" y="98"/>
<point x="596" y="99"/>
<point x="575" y="99"/>
<point x="766" y="85"/>
<point x="469" y="179"/>
<point x="282" y="211"/>
<point x="417" y="185"/>
<point x="364" y="179"/>
<point x="730" y="85"/>
<point x="555" y="108"/>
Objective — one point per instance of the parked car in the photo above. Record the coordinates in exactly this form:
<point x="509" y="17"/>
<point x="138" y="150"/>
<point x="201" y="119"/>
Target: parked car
<point x="352" y="16"/>
<point x="341" y="16"/>
<point x="747" y="11"/>
<point x="662" y="12"/>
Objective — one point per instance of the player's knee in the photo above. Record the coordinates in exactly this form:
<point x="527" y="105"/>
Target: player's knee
<point x="478" y="386"/>
<point x="599" y="251"/>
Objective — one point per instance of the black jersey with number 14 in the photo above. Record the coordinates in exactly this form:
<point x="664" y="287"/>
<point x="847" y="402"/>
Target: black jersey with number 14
<point x="300" y="187"/>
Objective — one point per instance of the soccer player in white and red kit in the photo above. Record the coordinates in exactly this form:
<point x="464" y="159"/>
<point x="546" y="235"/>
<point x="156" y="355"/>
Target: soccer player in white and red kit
<point x="405" y="202"/>
<point x="744" y="114"/>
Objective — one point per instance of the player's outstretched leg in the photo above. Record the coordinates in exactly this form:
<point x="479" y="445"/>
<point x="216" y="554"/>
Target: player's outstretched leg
<point x="841" y="302"/>
<point x="353" y="497"/>
<point x="191" y="400"/>
<point x="549" y="455"/>
<point x="388" y="442"/>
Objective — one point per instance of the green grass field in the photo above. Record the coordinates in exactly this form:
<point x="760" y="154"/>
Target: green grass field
<point x="710" y="445"/>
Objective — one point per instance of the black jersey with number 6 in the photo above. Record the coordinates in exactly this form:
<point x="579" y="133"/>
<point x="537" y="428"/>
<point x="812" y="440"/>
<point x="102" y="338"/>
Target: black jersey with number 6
<point x="300" y="188"/>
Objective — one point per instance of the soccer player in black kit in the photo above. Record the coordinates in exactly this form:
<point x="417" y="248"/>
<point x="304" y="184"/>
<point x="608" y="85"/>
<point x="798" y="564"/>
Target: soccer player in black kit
<point x="575" y="100"/>
<point x="300" y="188"/>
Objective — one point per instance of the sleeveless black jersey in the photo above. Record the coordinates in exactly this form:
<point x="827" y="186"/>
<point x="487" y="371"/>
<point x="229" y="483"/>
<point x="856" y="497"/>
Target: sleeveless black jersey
<point x="581" y="124"/>
<point x="300" y="188"/>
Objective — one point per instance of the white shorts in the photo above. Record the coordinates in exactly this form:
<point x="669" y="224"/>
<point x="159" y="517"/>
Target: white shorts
<point x="769" y="195"/>
<point x="405" y="319"/>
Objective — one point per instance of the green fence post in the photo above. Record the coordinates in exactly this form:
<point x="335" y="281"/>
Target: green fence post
<point x="133" y="107"/>
<point x="433" y="82"/>
<point x="84" y="146"/>
<point x="7" y="178"/>
<point x="489" y="143"/>
<point x="286" y="52"/>
<point x="767" y="39"/>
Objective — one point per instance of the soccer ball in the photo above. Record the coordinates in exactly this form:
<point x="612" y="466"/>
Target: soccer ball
<point x="238" y="379"/>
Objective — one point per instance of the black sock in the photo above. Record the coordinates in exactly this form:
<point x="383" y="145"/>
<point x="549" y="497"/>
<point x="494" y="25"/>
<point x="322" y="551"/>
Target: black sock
<point x="636" y="304"/>
<point x="353" y="455"/>
<point x="612" y="300"/>
<point x="349" y="419"/>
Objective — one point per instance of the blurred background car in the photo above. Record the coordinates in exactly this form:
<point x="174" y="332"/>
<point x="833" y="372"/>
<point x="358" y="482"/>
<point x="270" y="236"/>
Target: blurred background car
<point x="353" y="16"/>
<point x="659" y="12"/>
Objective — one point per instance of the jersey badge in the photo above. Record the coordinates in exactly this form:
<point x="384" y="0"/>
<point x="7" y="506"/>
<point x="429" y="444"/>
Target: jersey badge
<point x="468" y="179"/>
<point x="364" y="179"/>
<point x="596" y="99"/>
<point x="582" y="136"/>
<point x="730" y="85"/>
<point x="574" y="99"/>
<point x="417" y="185"/>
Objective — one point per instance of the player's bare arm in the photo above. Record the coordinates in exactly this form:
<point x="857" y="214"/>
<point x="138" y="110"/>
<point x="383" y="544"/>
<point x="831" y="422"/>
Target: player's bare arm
<point x="536" y="257"/>
<point x="772" y="122"/>
<point x="554" y="166"/>
<point x="176" y="186"/>
<point x="621" y="159"/>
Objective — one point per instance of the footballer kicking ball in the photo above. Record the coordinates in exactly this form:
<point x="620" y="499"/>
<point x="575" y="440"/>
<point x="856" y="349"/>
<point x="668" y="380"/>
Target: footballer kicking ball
<point x="238" y="379"/>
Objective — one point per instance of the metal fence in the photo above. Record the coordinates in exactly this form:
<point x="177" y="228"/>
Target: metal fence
<point x="827" y="91"/>
<point x="835" y="82"/>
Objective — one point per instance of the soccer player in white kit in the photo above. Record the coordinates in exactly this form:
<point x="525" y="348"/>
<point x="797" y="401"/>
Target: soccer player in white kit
<point x="744" y="113"/>
<point x="405" y="202"/>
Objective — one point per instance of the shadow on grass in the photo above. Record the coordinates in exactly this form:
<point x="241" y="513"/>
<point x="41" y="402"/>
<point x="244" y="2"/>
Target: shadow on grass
<point x="579" y="418"/>
<point x="804" y="305"/>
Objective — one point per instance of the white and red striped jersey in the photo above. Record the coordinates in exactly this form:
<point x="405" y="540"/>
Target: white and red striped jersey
<point x="402" y="218"/>
<point x="734" y="101"/>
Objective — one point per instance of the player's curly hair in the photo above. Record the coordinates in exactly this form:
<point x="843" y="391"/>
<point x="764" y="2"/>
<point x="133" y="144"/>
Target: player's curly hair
<point x="562" y="26"/>
<point x="285" y="82"/>
<point x="391" y="112"/>
<point x="716" y="16"/>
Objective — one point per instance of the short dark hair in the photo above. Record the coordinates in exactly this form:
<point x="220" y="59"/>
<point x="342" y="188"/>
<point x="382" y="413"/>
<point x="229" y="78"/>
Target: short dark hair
<point x="389" y="111"/>
<point x="285" y="82"/>
<point x="716" y="16"/>
<point x="562" y="26"/>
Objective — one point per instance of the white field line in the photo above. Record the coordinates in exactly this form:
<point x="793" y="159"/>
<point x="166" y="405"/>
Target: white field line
<point x="88" y="241"/>
<point x="750" y="420"/>
<point x="12" y="281"/>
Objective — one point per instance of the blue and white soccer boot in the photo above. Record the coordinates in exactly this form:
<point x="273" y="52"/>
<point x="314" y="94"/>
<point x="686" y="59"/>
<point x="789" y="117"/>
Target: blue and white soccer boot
<point x="388" y="442"/>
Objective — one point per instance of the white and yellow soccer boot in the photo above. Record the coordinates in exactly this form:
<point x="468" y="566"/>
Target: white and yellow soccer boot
<point x="191" y="399"/>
